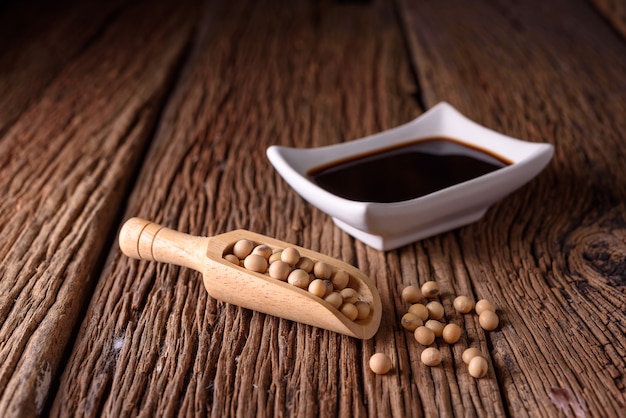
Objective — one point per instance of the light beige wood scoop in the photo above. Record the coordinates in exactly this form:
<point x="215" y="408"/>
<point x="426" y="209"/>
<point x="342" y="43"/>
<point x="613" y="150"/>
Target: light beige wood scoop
<point x="231" y="283"/>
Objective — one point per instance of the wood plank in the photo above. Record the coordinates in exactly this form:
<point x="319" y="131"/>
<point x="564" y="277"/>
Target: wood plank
<point x="614" y="11"/>
<point x="66" y="160"/>
<point x="551" y="255"/>
<point x="36" y="41"/>
<point x="261" y="73"/>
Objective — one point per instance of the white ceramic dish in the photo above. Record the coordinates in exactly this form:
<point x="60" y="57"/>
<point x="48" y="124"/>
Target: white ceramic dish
<point x="386" y="226"/>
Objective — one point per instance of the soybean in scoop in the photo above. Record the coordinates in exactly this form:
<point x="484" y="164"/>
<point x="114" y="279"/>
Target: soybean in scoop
<point x="405" y="172"/>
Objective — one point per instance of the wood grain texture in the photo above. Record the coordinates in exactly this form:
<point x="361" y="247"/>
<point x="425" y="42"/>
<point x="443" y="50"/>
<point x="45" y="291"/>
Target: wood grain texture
<point x="66" y="160"/>
<point x="550" y="254"/>
<point x="614" y="11"/>
<point x="233" y="78"/>
<point x="153" y="343"/>
<point x="37" y="40"/>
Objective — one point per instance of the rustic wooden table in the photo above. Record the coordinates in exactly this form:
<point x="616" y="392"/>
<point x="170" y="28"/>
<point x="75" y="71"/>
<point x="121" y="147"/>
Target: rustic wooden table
<point x="111" y="109"/>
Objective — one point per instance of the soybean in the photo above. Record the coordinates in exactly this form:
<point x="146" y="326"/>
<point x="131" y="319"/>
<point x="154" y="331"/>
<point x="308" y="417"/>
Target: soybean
<point x="306" y="264"/>
<point x="435" y="310"/>
<point x="470" y="353"/>
<point x="340" y="279"/>
<point x="463" y="304"/>
<point x="431" y="357"/>
<point x="318" y="288"/>
<point x="430" y="289"/>
<point x="363" y="308"/>
<point x="322" y="270"/>
<point x="335" y="299"/>
<point x="484" y="305"/>
<point x="232" y="258"/>
<point x="349" y="295"/>
<point x="451" y="333"/>
<point x="488" y="320"/>
<point x="299" y="278"/>
<point x="263" y="250"/>
<point x="478" y="367"/>
<point x="275" y="256"/>
<point x="411" y="294"/>
<point x="349" y="310"/>
<point x="290" y="256"/>
<point x="380" y="363"/>
<point x="424" y="335"/>
<point x="436" y="326"/>
<point x="243" y="248"/>
<point x="255" y="263"/>
<point x="411" y="321"/>
<point x="420" y="310"/>
<point x="329" y="287"/>
<point x="279" y="270"/>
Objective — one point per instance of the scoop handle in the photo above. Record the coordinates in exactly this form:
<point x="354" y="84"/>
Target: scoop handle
<point x="145" y="240"/>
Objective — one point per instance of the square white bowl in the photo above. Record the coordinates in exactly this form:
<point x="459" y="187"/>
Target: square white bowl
<point x="385" y="226"/>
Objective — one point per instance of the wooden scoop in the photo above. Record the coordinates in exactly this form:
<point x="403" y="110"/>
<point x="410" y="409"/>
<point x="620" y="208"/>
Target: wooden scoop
<point x="231" y="283"/>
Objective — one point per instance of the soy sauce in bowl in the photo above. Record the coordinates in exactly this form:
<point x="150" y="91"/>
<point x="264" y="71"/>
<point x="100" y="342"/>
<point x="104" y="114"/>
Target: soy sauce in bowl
<point x="405" y="172"/>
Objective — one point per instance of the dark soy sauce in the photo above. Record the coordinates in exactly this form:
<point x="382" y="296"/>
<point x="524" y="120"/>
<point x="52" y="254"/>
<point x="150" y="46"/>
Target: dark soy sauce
<point x="405" y="172"/>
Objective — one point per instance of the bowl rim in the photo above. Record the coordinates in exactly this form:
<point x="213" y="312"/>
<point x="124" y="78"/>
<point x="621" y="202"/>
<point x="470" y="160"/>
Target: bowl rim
<point x="282" y="157"/>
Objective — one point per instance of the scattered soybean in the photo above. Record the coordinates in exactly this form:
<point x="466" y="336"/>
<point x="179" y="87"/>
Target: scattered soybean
<point x="463" y="304"/>
<point x="478" y="367"/>
<point x="470" y="353"/>
<point x="380" y="363"/>
<point x="435" y="310"/>
<point x="436" y="326"/>
<point x="424" y="335"/>
<point x="410" y="321"/>
<point x="411" y="294"/>
<point x="484" y="305"/>
<point x="451" y="333"/>
<point x="420" y="310"/>
<point x="431" y="357"/>
<point x="430" y="289"/>
<point x="488" y="320"/>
